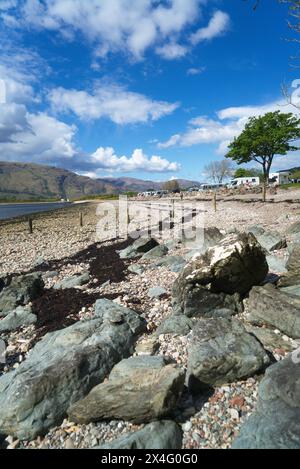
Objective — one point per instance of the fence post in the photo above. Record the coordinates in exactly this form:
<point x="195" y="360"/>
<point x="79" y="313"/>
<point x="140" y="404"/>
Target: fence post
<point x="80" y="219"/>
<point x="30" y="225"/>
<point x="215" y="201"/>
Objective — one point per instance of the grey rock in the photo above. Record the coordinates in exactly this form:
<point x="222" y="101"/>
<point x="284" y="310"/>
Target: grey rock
<point x="148" y="346"/>
<point x="214" y="280"/>
<point x="292" y="290"/>
<point x="20" y="291"/>
<point x="222" y="351"/>
<point x="63" y="367"/>
<point x="156" y="253"/>
<point x="21" y="317"/>
<point x="140" y="390"/>
<point x="51" y="274"/>
<point x="271" y="240"/>
<point x="73" y="282"/>
<point x="136" y="269"/>
<point x="294" y="228"/>
<point x="157" y="292"/>
<point x="293" y="264"/>
<point x="156" y="435"/>
<point x="272" y="307"/>
<point x="138" y="248"/>
<point x="174" y="263"/>
<point x="177" y="325"/>
<point x="256" y="230"/>
<point x="276" y="422"/>
<point x="276" y="264"/>
<point x="269" y="339"/>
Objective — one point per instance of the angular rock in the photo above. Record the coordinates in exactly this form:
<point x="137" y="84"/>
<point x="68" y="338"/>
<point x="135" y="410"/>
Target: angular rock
<point x="19" y="318"/>
<point x="148" y="346"/>
<point x="63" y="367"/>
<point x="177" y="325"/>
<point x="221" y="352"/>
<point x="138" y="248"/>
<point x="256" y="230"/>
<point x="293" y="264"/>
<point x="276" y="422"/>
<point x="271" y="240"/>
<point x="20" y="291"/>
<point x="156" y="435"/>
<point x="73" y="282"/>
<point x="272" y="307"/>
<point x="210" y="237"/>
<point x="269" y="339"/>
<point x="140" y="390"/>
<point x="174" y="263"/>
<point x="136" y="269"/>
<point x="276" y="264"/>
<point x="294" y="228"/>
<point x="209" y="281"/>
<point x="156" y="253"/>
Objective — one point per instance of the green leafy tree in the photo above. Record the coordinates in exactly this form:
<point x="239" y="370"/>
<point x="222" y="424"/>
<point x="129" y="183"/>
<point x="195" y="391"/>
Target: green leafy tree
<point x="246" y="173"/>
<point x="263" y="138"/>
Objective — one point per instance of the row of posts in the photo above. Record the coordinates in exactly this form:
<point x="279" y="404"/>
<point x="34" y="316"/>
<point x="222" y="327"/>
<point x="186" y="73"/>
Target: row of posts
<point x="172" y="215"/>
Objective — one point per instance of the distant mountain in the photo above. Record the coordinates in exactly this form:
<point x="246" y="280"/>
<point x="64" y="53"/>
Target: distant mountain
<point x="20" y="181"/>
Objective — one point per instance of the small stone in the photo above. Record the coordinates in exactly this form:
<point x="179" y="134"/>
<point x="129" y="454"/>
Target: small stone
<point x="234" y="414"/>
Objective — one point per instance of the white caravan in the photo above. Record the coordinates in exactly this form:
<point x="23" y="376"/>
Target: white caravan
<point x="249" y="181"/>
<point x="283" y="177"/>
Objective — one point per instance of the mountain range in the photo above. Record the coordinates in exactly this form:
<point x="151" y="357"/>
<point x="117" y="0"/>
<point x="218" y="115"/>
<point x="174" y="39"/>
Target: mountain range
<point x="20" y="181"/>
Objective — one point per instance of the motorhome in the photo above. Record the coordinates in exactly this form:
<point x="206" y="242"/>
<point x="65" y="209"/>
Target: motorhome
<point x="280" y="178"/>
<point x="248" y="181"/>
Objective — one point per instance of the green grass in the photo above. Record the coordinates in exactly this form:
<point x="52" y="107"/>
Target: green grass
<point x="290" y="186"/>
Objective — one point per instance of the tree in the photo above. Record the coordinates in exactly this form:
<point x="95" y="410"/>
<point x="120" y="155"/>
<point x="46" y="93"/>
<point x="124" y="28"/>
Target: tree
<point x="263" y="138"/>
<point x="219" y="170"/>
<point x="172" y="185"/>
<point x="246" y="173"/>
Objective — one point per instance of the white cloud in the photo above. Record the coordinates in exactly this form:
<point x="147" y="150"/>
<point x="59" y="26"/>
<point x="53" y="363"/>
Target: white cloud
<point x="131" y="26"/>
<point x="105" y="158"/>
<point x="113" y="102"/>
<point x="172" y="51"/>
<point x="217" y="26"/>
<point x="230" y="122"/>
<point x="195" y="71"/>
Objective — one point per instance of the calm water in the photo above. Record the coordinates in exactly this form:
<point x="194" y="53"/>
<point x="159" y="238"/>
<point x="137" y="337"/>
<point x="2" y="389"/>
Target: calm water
<point x="18" y="210"/>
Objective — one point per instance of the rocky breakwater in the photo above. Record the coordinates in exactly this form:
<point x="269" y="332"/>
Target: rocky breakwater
<point x="63" y="367"/>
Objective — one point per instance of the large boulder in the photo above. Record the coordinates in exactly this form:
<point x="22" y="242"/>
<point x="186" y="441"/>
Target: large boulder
<point x="140" y="390"/>
<point x="63" y="367"/>
<point x="276" y="422"/>
<point x="138" y="248"/>
<point x="22" y="316"/>
<point x="221" y="351"/>
<point x="272" y="307"/>
<point x="210" y="281"/>
<point x="20" y="291"/>
<point x="156" y="435"/>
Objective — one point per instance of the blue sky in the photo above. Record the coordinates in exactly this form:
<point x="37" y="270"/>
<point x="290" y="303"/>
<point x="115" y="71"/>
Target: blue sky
<point x="143" y="88"/>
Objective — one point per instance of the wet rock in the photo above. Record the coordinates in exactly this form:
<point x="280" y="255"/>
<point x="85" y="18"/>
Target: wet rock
<point x="20" y="291"/>
<point x="222" y="351"/>
<point x="22" y="316"/>
<point x="272" y="307"/>
<point x="139" y="390"/>
<point x="63" y="367"/>
<point x="156" y="435"/>
<point x="138" y="248"/>
<point x="276" y="422"/>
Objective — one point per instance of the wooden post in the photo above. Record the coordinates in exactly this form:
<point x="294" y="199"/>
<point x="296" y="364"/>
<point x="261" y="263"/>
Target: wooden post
<point x="264" y="191"/>
<point x="80" y="219"/>
<point x="173" y="208"/>
<point x="215" y="201"/>
<point x="30" y="226"/>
